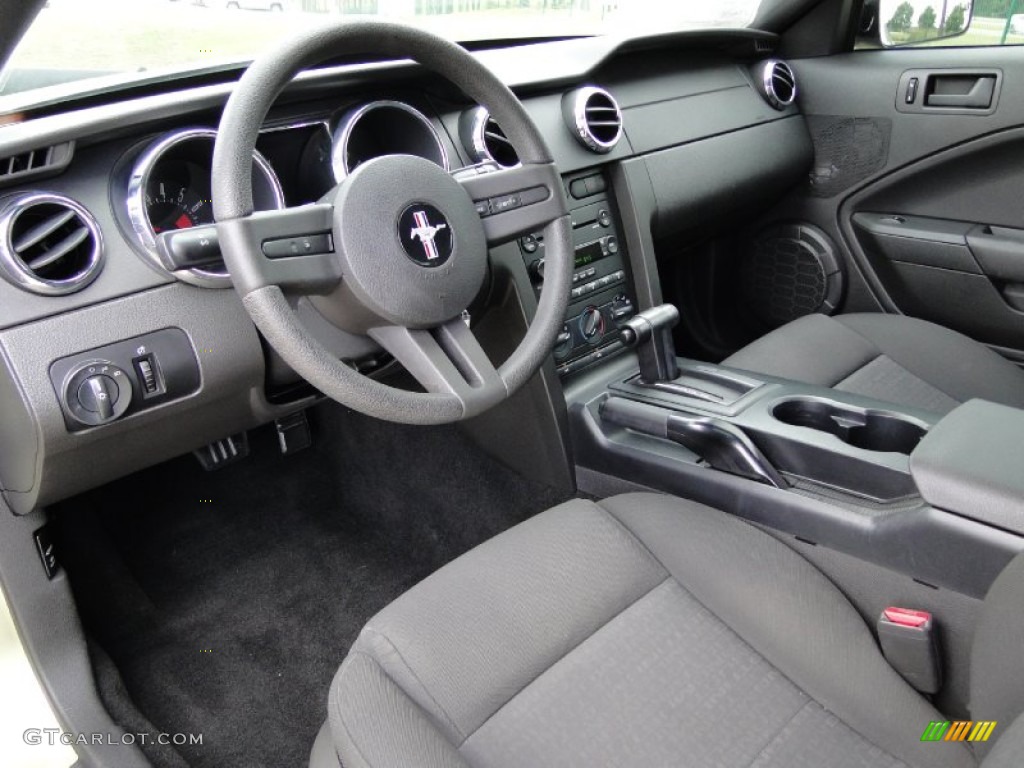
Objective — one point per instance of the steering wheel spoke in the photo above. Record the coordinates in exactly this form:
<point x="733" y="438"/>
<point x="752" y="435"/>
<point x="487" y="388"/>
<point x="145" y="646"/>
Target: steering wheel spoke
<point x="292" y="248"/>
<point x="517" y="201"/>
<point x="446" y="360"/>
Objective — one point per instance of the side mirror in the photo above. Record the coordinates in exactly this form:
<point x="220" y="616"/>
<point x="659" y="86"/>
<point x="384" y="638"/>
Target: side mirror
<point x="902" y="22"/>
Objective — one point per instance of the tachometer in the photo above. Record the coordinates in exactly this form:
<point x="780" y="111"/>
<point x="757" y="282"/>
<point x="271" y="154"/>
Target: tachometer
<point x="174" y="206"/>
<point x="169" y="189"/>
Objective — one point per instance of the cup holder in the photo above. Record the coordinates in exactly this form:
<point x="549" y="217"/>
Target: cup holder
<point x="870" y="430"/>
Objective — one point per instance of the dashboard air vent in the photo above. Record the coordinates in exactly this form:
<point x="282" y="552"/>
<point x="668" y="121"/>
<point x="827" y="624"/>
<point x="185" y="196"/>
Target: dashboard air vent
<point x="779" y="83"/>
<point x="594" y="118"/>
<point x="485" y="141"/>
<point x="49" y="244"/>
<point x="35" y="162"/>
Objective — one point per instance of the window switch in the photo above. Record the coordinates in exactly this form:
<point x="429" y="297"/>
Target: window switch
<point x="148" y="375"/>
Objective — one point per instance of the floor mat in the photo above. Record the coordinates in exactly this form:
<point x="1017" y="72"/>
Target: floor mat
<point x="227" y="600"/>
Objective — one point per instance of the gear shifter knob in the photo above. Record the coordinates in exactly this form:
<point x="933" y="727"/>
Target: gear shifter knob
<point x="650" y="333"/>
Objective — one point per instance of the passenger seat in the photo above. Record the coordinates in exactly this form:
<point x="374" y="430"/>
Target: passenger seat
<point x="894" y="358"/>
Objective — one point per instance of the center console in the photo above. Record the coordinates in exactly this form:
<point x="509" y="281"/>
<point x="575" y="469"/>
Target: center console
<point x="602" y="296"/>
<point x="828" y="467"/>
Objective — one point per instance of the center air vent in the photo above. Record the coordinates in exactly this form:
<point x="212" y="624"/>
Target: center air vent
<point x="779" y="83"/>
<point x="49" y="244"/>
<point x="485" y="141"/>
<point x="593" y="117"/>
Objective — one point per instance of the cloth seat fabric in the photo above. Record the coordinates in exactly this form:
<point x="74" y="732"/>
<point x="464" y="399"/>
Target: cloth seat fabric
<point x="894" y="358"/>
<point x="641" y="630"/>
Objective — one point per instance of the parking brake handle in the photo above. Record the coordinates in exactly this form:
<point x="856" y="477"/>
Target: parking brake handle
<point x="722" y="445"/>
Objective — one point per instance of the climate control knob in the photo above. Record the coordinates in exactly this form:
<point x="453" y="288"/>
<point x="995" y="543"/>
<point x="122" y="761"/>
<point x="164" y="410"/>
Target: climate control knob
<point x="591" y="324"/>
<point x="97" y="392"/>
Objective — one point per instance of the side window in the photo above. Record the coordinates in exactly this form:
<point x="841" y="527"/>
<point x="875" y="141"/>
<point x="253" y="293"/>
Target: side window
<point x="959" y="23"/>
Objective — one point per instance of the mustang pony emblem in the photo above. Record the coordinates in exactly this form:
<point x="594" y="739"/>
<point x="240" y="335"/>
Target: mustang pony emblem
<point x="425" y="233"/>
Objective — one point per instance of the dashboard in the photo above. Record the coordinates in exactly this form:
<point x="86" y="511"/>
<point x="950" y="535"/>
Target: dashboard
<point x="118" y="350"/>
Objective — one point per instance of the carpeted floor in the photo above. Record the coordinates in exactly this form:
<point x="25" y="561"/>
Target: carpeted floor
<point x="227" y="600"/>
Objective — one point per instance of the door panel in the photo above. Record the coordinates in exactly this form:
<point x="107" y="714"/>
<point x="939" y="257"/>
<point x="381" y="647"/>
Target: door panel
<point x="925" y="193"/>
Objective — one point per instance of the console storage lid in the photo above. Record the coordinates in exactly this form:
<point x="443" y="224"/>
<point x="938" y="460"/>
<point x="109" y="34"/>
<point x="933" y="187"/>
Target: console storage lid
<point x="972" y="463"/>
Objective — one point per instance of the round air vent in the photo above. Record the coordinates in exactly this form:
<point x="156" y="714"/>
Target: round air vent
<point x="594" y="118"/>
<point x="49" y="244"/>
<point x="779" y="83"/>
<point x="485" y="141"/>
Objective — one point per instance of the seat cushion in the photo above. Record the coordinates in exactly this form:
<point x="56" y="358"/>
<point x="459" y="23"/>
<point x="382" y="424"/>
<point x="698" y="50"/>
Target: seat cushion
<point x="894" y="358"/>
<point x="642" y="630"/>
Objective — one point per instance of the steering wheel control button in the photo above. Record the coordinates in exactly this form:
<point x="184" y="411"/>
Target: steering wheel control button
<point x="98" y="392"/>
<point x="505" y="203"/>
<point x="426" y="235"/>
<point x="306" y="245"/>
<point x="511" y="201"/>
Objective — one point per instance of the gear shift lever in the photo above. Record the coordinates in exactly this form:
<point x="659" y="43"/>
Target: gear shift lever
<point x="650" y="333"/>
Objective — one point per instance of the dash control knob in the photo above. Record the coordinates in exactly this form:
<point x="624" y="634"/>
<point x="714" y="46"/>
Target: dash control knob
<point x="563" y="343"/>
<point x="591" y="324"/>
<point x="97" y="392"/>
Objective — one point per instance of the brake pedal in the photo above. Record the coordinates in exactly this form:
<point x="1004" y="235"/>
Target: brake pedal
<point x="220" y="453"/>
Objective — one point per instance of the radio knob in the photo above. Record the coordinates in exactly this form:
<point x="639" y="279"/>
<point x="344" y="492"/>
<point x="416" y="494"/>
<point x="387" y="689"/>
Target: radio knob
<point x="591" y="323"/>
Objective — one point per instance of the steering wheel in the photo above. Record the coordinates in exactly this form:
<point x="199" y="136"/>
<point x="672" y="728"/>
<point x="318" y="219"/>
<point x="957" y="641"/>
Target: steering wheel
<point x="399" y="249"/>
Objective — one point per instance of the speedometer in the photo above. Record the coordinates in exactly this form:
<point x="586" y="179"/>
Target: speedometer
<point x="169" y="189"/>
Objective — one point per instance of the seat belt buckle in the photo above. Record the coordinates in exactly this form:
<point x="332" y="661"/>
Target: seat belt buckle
<point x="910" y="643"/>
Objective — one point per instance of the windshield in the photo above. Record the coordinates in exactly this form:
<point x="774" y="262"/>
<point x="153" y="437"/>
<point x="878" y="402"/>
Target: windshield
<point x="78" y="41"/>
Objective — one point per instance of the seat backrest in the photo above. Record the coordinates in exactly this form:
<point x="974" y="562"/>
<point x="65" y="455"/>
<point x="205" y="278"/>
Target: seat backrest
<point x="997" y="659"/>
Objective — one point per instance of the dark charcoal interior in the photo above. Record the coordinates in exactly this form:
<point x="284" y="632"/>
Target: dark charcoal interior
<point x="790" y="315"/>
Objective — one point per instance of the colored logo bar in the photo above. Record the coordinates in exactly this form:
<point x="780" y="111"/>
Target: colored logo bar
<point x="959" y="730"/>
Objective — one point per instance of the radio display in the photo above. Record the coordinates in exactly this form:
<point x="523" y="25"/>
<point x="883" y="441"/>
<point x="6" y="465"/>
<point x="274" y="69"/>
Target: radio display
<point x="586" y="254"/>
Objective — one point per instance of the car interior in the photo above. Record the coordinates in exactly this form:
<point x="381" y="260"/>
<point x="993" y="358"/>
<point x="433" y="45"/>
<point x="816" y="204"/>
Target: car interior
<point x="634" y="399"/>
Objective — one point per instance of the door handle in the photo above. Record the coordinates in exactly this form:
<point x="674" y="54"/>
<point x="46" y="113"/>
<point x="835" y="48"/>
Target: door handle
<point x="960" y="91"/>
<point x="999" y="251"/>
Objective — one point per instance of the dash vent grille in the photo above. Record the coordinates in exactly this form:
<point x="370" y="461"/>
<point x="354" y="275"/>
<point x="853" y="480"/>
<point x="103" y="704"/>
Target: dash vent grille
<point x="49" y="244"/>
